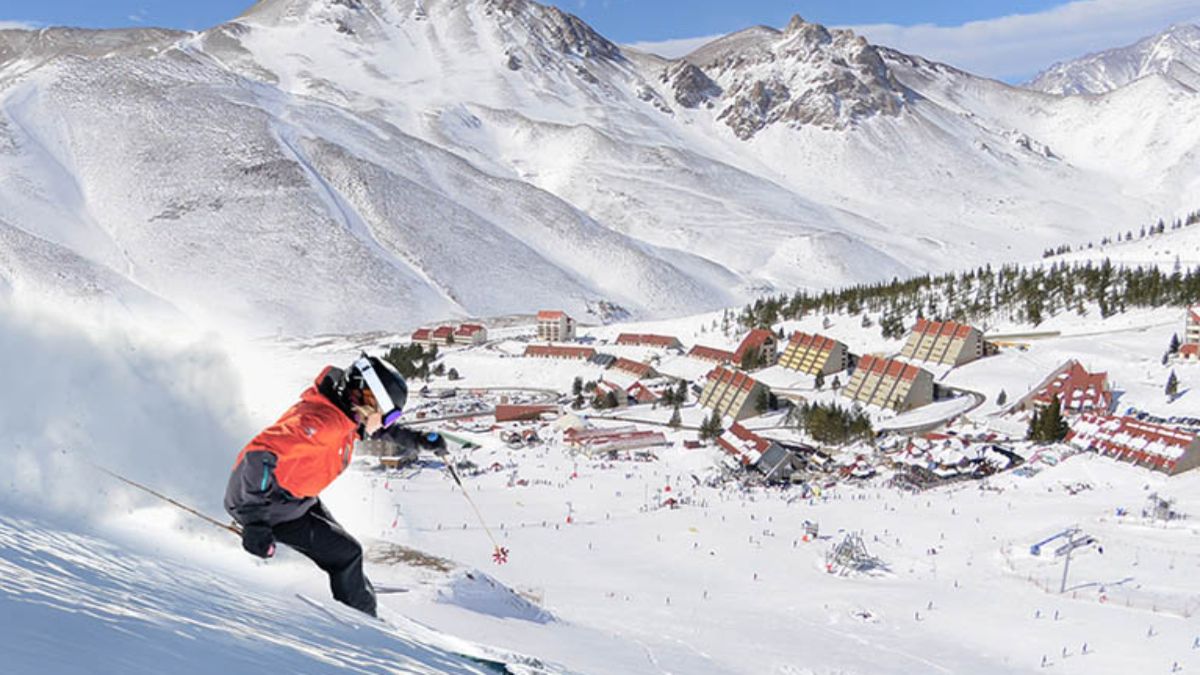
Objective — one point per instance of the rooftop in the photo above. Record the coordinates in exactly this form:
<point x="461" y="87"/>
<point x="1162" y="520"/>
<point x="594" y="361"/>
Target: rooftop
<point x="818" y="342"/>
<point x="888" y="367"/>
<point x="953" y="328"/>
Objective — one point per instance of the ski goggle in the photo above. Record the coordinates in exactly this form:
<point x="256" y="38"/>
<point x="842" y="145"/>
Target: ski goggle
<point x="382" y="398"/>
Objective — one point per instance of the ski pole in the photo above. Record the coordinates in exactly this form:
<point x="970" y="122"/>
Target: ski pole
<point x="500" y="554"/>
<point x="208" y="519"/>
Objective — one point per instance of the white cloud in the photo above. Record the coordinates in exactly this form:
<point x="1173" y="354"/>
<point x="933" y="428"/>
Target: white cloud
<point x="1018" y="46"/>
<point x="1012" y="47"/>
<point x="673" y="49"/>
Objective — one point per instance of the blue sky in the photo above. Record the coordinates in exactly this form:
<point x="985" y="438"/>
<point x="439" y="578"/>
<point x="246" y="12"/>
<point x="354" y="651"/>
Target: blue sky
<point x="1010" y="39"/>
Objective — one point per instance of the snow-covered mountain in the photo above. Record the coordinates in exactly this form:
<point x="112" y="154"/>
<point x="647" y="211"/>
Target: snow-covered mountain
<point x="1174" y="54"/>
<point x="339" y="165"/>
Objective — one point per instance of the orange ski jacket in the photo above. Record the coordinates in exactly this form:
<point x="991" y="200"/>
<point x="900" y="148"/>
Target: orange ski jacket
<point x="281" y="471"/>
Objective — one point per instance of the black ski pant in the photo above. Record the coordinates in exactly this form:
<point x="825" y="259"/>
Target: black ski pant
<point x="317" y="535"/>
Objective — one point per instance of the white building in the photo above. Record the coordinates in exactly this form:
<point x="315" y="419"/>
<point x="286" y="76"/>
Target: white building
<point x="555" y="326"/>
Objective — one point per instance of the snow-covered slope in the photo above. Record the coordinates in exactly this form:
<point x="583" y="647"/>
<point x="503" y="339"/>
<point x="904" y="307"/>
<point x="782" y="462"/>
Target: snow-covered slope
<point x="1174" y="53"/>
<point x="343" y="165"/>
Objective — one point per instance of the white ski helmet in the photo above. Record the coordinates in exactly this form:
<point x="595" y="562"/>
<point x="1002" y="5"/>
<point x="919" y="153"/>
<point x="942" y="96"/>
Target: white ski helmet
<point x="385" y="384"/>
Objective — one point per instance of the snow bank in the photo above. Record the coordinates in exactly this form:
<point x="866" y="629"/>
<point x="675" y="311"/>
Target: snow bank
<point x="152" y="407"/>
<point x="478" y="592"/>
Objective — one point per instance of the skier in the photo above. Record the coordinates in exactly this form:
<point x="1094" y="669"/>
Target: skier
<point x="274" y="489"/>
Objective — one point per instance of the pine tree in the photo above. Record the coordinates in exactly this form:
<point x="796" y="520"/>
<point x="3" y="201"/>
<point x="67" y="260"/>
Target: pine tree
<point x="1034" y="433"/>
<point x="578" y="403"/>
<point x="453" y="375"/>
<point x="1002" y="398"/>
<point x="1052" y="426"/>
<point x="820" y="381"/>
<point x="837" y="383"/>
<point x="762" y="402"/>
<point x="715" y="424"/>
<point x="1173" y="348"/>
<point x="1172" y="389"/>
<point x="610" y="399"/>
<point x="676" y="419"/>
<point x="577" y="386"/>
<point x="681" y="393"/>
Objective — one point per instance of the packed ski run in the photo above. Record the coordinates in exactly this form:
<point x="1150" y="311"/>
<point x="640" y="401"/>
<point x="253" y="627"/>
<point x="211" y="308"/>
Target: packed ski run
<point x="485" y="344"/>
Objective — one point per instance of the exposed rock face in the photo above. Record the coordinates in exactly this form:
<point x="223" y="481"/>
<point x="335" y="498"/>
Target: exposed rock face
<point x="558" y="30"/>
<point x="804" y="75"/>
<point x="691" y="86"/>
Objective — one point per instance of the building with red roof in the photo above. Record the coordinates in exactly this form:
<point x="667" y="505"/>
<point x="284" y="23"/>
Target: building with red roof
<point x="1077" y="390"/>
<point x="732" y="393"/>
<point x="592" y="442"/>
<point x="470" y="334"/>
<point x="557" y="352"/>
<point x="524" y="413"/>
<point x="890" y="384"/>
<point x="1191" y="333"/>
<point x="1189" y="352"/>
<point x="642" y="394"/>
<point x="711" y="354"/>
<point x="760" y="346"/>
<point x="1154" y="446"/>
<point x="634" y="368"/>
<point x="555" y="326"/>
<point x="749" y="449"/>
<point x="423" y="337"/>
<point x="443" y="335"/>
<point x="947" y="342"/>
<point x="604" y="388"/>
<point x="648" y="340"/>
<point x="815" y="354"/>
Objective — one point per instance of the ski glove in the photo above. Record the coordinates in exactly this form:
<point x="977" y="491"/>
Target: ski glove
<point x="435" y="442"/>
<point x="258" y="540"/>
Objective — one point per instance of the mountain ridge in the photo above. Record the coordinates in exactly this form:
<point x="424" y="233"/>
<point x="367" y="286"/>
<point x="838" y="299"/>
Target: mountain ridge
<point x="1173" y="53"/>
<point x="333" y="162"/>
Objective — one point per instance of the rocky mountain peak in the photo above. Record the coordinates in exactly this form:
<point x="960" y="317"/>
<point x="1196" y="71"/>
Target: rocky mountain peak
<point x="803" y="75"/>
<point x="813" y="33"/>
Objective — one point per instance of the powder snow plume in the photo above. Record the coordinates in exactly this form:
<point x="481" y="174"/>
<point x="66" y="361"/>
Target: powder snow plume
<point x="81" y="390"/>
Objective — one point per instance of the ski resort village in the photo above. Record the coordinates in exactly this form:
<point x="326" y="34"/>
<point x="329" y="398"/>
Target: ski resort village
<point x="454" y="336"/>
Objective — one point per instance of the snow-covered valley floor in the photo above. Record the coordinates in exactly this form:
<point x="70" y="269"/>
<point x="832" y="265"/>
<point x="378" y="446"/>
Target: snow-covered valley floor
<point x="97" y="578"/>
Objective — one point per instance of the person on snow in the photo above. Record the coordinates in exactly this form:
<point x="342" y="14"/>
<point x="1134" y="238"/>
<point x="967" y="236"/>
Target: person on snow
<point x="274" y="490"/>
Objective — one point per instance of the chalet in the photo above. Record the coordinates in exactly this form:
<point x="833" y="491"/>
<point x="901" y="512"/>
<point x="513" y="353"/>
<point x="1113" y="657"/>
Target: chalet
<point x="760" y="345"/>
<point x="555" y="326"/>
<point x="750" y="449"/>
<point x="815" y="355"/>
<point x="604" y="388"/>
<point x="710" y="354"/>
<point x="470" y="334"/>
<point x="423" y="337"/>
<point x="523" y="413"/>
<point x="889" y="383"/>
<point x="945" y="342"/>
<point x="1154" y="446"/>
<point x="1189" y="352"/>
<point x="639" y="370"/>
<point x="642" y="394"/>
<point x="732" y="394"/>
<point x="640" y="340"/>
<point x="1078" y="391"/>
<point x="556" y="352"/>
<point x="443" y="335"/>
